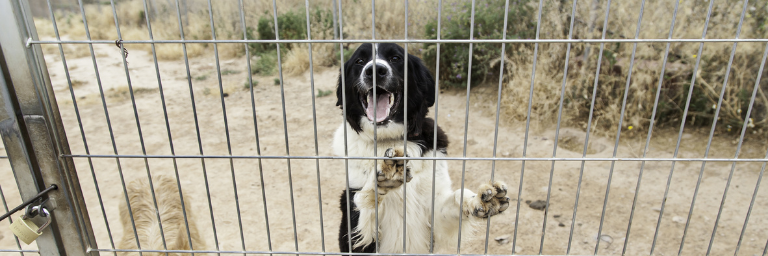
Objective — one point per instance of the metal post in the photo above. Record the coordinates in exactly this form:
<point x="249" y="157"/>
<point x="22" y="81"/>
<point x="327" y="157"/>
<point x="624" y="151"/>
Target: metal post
<point x="34" y="136"/>
<point x="335" y="26"/>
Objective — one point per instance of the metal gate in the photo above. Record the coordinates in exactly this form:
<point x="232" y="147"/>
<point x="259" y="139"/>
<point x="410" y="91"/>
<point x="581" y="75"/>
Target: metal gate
<point x="39" y="151"/>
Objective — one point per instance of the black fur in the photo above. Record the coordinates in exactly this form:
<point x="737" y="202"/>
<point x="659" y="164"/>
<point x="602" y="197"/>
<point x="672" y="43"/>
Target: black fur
<point x="421" y="87"/>
<point x="426" y="138"/>
<point x="353" y="218"/>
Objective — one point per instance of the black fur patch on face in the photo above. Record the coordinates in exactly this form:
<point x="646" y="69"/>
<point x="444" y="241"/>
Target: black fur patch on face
<point x="421" y="87"/>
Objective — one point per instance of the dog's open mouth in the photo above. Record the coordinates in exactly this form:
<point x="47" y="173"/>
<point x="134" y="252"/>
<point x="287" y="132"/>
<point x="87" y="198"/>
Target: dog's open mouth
<point x="386" y="103"/>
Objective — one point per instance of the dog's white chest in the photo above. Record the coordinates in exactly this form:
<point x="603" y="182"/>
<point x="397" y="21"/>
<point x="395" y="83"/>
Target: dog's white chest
<point x="362" y="145"/>
<point x="417" y="211"/>
<point x="415" y="200"/>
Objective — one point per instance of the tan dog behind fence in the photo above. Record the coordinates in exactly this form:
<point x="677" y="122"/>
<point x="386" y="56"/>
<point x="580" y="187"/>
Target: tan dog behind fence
<point x="144" y="215"/>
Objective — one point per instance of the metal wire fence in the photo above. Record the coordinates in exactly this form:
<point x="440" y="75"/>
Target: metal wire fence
<point x="244" y="221"/>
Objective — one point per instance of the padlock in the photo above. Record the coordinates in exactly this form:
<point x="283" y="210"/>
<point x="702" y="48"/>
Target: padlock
<point x="26" y="230"/>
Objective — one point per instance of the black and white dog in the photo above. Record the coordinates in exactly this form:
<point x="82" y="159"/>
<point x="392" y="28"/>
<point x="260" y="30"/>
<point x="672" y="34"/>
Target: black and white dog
<point x="390" y="175"/>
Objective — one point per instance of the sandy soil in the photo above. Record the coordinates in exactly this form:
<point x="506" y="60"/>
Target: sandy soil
<point x="318" y="234"/>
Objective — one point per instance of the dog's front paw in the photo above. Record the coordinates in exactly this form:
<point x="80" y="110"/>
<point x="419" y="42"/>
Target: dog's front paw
<point x="392" y="173"/>
<point x="491" y="200"/>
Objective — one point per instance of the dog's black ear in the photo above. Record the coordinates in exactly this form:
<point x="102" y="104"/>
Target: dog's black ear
<point x="339" y="95"/>
<point x="338" y="91"/>
<point x="421" y="94"/>
<point x="420" y="76"/>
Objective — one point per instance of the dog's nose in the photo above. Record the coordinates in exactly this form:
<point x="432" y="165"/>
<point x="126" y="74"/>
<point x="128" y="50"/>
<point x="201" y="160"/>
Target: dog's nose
<point x="381" y="71"/>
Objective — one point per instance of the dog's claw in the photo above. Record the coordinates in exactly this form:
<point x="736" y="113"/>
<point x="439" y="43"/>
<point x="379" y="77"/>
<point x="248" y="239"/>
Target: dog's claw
<point x="479" y="212"/>
<point x="389" y="153"/>
<point x="501" y="190"/>
<point x="392" y="173"/>
<point x="504" y="204"/>
<point x="492" y="200"/>
<point x="487" y="195"/>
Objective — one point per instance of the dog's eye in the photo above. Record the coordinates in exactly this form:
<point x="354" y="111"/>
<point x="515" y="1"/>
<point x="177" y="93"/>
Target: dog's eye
<point x="359" y="61"/>
<point x="395" y="58"/>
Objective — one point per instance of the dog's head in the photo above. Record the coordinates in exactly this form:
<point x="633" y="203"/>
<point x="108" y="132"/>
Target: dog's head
<point x="389" y="73"/>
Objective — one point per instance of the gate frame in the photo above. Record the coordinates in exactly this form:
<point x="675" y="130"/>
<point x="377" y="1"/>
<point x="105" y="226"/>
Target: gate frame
<point x="34" y="135"/>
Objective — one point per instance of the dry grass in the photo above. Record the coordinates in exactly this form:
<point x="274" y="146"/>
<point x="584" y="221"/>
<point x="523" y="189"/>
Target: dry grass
<point x="646" y="72"/>
<point x="132" y="19"/>
<point x="297" y="61"/>
<point x="390" y="24"/>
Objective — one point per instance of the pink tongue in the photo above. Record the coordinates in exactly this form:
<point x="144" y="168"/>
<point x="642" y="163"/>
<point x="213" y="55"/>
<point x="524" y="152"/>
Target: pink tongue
<point x="382" y="106"/>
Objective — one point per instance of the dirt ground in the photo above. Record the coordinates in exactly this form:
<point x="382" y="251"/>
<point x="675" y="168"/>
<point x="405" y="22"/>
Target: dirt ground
<point x="320" y="234"/>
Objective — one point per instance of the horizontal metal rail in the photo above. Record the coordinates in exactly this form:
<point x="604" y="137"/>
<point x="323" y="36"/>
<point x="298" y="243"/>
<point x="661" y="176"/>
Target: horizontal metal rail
<point x="620" y="159"/>
<point x="10" y="251"/>
<point x="408" y="41"/>
<point x="284" y="252"/>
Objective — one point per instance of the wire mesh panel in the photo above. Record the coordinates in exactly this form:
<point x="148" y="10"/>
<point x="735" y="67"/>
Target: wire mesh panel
<point x="618" y="127"/>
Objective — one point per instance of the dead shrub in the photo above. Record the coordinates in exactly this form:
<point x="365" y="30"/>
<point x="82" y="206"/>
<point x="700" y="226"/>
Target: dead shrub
<point x="644" y="83"/>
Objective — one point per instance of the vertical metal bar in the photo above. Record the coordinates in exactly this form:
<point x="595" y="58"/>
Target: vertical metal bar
<point x="314" y="125"/>
<point x="226" y="124"/>
<point x="527" y="126"/>
<point x="653" y="119"/>
<point x="167" y="127"/>
<point x="743" y="129"/>
<point x="344" y="122"/>
<point x="765" y="248"/>
<point x="285" y="125"/>
<point x="589" y="126"/>
<point x="618" y="133"/>
<point x="557" y="129"/>
<point x="762" y="170"/>
<point x="466" y="123"/>
<point x="10" y="220"/>
<point x="138" y="127"/>
<point x="375" y="123"/>
<point x="197" y="125"/>
<point x="434" y="128"/>
<point x="621" y="119"/>
<point x="498" y="112"/>
<point x="80" y="124"/>
<point x="255" y="124"/>
<point x="406" y="59"/>
<point x="335" y="26"/>
<point x="24" y="16"/>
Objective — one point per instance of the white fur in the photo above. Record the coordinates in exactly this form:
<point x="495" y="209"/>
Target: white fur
<point x="362" y="175"/>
